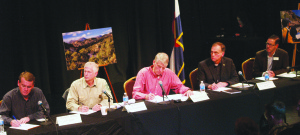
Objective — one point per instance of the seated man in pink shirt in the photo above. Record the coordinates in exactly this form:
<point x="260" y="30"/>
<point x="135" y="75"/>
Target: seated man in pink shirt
<point x="147" y="80"/>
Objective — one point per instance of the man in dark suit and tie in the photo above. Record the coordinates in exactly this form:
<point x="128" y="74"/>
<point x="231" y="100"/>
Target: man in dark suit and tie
<point x="272" y="59"/>
<point x="217" y="71"/>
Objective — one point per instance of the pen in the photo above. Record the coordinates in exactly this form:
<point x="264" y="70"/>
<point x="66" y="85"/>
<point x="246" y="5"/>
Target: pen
<point x="16" y="120"/>
<point x="149" y="91"/>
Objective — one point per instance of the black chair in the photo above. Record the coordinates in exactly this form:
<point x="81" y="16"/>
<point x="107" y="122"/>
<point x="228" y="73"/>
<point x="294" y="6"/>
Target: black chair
<point x="65" y="96"/>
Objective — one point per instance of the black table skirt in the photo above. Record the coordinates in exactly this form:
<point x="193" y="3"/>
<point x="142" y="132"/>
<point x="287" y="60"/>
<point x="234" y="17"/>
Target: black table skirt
<point x="214" y="116"/>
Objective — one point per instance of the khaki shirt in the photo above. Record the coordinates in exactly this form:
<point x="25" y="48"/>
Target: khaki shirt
<point x="82" y="94"/>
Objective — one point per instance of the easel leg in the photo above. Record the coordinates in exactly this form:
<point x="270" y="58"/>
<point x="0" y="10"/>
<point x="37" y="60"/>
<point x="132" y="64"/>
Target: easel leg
<point x="294" y="56"/>
<point x="112" y="89"/>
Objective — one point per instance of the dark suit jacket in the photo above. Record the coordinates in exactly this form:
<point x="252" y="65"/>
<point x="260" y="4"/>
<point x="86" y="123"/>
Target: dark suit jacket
<point x="261" y="62"/>
<point x="228" y="72"/>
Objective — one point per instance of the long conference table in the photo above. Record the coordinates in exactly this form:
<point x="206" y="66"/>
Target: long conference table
<point x="210" y="117"/>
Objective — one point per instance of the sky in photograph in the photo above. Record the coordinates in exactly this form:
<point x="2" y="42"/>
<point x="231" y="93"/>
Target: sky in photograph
<point x="297" y="12"/>
<point x="67" y="37"/>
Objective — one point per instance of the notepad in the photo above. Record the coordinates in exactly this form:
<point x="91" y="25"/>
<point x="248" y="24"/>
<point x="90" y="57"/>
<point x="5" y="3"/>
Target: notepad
<point x="90" y="111"/>
<point x="25" y="126"/>
<point x="232" y="91"/>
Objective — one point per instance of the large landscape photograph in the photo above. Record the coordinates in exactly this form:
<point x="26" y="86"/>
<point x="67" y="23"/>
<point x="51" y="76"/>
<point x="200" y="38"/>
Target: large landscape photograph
<point x="290" y="26"/>
<point x="89" y="45"/>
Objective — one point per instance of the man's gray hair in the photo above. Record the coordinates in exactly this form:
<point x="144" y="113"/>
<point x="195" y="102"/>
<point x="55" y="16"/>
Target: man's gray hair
<point x="93" y="65"/>
<point x="163" y="57"/>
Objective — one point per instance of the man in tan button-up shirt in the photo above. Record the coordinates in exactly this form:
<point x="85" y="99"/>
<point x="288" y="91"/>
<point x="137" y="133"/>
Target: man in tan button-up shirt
<point x="87" y="92"/>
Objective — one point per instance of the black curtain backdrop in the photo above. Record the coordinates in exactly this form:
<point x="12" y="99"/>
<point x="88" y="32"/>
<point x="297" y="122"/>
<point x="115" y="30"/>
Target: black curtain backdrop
<point x="31" y="36"/>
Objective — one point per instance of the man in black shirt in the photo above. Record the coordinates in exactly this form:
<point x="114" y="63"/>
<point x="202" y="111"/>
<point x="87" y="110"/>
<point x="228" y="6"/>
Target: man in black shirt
<point x="217" y="71"/>
<point x="22" y="102"/>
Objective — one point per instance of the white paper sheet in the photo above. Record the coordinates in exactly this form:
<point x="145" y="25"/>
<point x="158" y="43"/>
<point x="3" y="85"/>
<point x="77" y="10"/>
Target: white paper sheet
<point x="263" y="78"/>
<point x="158" y="99"/>
<point x="222" y="89"/>
<point x="25" y="126"/>
<point x="90" y="111"/>
<point x="240" y="85"/>
<point x="287" y="75"/>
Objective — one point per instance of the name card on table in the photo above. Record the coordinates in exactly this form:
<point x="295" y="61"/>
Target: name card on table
<point x="136" y="107"/>
<point x="199" y="96"/>
<point x="68" y="119"/>
<point x="265" y="85"/>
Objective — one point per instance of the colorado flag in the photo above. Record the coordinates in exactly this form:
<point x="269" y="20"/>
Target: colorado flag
<point x="176" y="59"/>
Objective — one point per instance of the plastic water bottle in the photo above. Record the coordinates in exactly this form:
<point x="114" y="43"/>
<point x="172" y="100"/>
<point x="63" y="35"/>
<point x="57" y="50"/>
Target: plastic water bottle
<point x="267" y="77"/>
<point x="1" y="125"/>
<point x="202" y="87"/>
<point x="125" y="99"/>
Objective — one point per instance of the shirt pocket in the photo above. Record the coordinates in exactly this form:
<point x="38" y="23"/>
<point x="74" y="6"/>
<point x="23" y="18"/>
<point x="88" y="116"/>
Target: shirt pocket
<point x="98" y="96"/>
<point x="82" y="100"/>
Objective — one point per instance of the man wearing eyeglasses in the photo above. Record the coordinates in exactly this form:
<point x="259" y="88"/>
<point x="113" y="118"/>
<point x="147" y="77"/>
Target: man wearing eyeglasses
<point x="217" y="71"/>
<point x="272" y="59"/>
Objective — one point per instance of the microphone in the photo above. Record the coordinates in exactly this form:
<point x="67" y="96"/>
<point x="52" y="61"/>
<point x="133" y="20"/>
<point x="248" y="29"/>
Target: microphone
<point x="104" y="91"/>
<point x="161" y="85"/>
<point x="295" y="67"/>
<point x="40" y="103"/>
<point x="109" y="109"/>
<point x="163" y="94"/>
<point x="241" y="74"/>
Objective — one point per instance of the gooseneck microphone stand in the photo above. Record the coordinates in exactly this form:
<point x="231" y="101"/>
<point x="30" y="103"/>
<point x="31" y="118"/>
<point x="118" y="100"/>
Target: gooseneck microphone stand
<point x="110" y="109"/>
<point x="47" y="122"/>
<point x="164" y="102"/>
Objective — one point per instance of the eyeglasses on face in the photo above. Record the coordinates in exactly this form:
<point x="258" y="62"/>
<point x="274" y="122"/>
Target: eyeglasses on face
<point x="269" y="44"/>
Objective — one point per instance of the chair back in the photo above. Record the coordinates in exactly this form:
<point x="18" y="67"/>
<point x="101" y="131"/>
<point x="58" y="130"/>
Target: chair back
<point x="65" y="95"/>
<point x="247" y="67"/>
<point x="193" y="79"/>
<point x="128" y="86"/>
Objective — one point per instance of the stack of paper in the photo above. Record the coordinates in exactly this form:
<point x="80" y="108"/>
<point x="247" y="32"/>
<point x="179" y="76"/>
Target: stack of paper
<point x="158" y="99"/>
<point x="263" y="78"/>
<point x="287" y="75"/>
<point x="90" y="111"/>
<point x="227" y="90"/>
<point x="25" y="126"/>
<point x="240" y="85"/>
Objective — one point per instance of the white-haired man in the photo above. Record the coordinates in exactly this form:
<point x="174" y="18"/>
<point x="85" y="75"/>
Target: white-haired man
<point x="87" y="92"/>
<point x="147" y="80"/>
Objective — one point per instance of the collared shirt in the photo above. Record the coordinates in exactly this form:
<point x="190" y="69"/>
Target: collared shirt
<point x="270" y="62"/>
<point x="217" y="72"/>
<point x="147" y="82"/>
<point x="82" y="94"/>
<point x="14" y="104"/>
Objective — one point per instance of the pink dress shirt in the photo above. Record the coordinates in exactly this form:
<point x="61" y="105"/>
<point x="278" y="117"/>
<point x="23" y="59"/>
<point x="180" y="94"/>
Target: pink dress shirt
<point x="147" y="81"/>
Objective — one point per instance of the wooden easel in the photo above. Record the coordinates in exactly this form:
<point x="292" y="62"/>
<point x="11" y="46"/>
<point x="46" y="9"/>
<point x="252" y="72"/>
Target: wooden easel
<point x="87" y="27"/>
